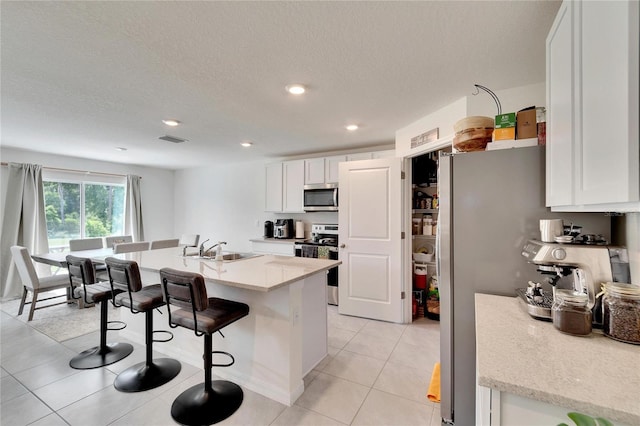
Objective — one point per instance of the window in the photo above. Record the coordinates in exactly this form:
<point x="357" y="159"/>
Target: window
<point x="81" y="206"/>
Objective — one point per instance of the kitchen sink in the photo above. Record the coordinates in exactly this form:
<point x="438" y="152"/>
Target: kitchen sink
<point x="237" y="256"/>
<point x="226" y="256"/>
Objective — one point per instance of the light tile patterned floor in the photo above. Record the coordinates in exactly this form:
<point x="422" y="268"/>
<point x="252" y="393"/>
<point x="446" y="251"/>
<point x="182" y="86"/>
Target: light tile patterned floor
<point x="376" y="373"/>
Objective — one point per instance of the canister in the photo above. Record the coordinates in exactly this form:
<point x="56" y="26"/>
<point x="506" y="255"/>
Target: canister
<point x="416" y="229"/>
<point x="570" y="313"/>
<point x="420" y="276"/>
<point x="621" y="312"/>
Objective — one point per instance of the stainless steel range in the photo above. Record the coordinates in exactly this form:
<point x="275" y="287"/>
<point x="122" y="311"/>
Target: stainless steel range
<point x="323" y="245"/>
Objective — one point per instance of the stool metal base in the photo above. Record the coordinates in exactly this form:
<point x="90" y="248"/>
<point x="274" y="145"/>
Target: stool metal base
<point x="142" y="377"/>
<point x="200" y="406"/>
<point x="99" y="357"/>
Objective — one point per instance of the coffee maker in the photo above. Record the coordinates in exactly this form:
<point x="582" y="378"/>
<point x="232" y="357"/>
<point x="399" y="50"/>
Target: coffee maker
<point x="579" y="267"/>
<point x="283" y="228"/>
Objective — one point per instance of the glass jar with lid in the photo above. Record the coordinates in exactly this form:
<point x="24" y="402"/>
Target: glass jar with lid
<point x="621" y="312"/>
<point x="570" y="312"/>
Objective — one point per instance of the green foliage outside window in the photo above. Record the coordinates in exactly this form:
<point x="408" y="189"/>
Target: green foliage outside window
<point x="103" y="210"/>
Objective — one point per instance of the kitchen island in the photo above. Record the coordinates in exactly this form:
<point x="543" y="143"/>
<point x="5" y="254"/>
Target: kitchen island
<point x="277" y="344"/>
<point x="529" y="373"/>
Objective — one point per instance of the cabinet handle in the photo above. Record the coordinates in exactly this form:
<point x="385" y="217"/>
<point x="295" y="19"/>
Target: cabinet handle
<point x="342" y="245"/>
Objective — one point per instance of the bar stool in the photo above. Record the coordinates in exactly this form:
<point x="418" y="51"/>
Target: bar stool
<point x="83" y="285"/>
<point x="212" y="401"/>
<point x="124" y="276"/>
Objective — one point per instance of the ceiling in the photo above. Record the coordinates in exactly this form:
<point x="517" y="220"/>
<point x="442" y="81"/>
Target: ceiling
<point x="83" y="78"/>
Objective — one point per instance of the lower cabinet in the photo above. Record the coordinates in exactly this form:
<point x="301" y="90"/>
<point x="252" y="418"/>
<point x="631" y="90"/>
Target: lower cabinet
<point x="494" y="408"/>
<point x="280" y="248"/>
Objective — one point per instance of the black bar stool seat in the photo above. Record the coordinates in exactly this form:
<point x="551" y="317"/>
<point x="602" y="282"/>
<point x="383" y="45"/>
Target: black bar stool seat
<point x="212" y="401"/>
<point x="124" y="276"/>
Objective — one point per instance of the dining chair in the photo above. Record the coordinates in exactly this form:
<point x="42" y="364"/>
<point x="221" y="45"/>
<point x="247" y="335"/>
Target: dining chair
<point x="85" y="244"/>
<point x="130" y="247"/>
<point x="110" y="241"/>
<point x="188" y="240"/>
<point x="34" y="284"/>
<point x="159" y="244"/>
<point x="91" y="244"/>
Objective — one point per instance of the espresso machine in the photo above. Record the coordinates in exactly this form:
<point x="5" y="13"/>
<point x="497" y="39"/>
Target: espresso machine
<point x="579" y="267"/>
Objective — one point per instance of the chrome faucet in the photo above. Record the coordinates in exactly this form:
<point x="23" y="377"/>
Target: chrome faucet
<point x="218" y="244"/>
<point x="202" y="251"/>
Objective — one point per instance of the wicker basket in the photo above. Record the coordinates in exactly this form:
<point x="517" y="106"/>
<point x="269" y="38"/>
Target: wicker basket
<point x="473" y="133"/>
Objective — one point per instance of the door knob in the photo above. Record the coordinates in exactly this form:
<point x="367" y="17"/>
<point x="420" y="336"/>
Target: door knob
<point x="342" y="245"/>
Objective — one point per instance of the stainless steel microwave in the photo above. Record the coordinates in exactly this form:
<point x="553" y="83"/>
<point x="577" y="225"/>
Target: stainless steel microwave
<point x="321" y="197"/>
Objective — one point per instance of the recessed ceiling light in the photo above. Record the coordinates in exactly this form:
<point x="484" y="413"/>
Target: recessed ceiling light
<point x="171" y="122"/>
<point x="296" y="89"/>
<point x="246" y="144"/>
<point x="121" y="149"/>
<point x="351" y="127"/>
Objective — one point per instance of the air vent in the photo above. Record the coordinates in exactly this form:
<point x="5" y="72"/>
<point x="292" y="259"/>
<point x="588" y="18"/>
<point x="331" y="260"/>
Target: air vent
<point x="172" y="139"/>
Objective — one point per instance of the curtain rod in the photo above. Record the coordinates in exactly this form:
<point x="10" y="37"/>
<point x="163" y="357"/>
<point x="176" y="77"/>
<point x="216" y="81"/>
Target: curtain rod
<point x="86" y="172"/>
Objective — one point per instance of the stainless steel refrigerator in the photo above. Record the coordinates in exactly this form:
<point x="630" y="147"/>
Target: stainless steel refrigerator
<point x="490" y="205"/>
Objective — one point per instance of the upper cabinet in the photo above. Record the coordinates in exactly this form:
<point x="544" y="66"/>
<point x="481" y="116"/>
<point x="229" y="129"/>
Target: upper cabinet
<point x="283" y="190"/>
<point x="325" y="169"/>
<point x="322" y="170"/>
<point x="593" y="151"/>
<point x="292" y="193"/>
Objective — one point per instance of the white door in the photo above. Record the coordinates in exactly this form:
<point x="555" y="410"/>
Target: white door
<point x="370" y="219"/>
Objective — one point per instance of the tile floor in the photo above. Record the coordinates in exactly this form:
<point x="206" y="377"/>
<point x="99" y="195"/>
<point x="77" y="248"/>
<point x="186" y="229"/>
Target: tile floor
<point x="376" y="373"/>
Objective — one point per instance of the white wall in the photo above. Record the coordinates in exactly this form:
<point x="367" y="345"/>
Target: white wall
<point x="226" y="203"/>
<point x="157" y="185"/>
<point x="511" y="100"/>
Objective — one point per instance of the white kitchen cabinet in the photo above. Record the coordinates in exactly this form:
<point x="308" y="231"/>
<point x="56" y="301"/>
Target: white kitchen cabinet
<point x="272" y="246"/>
<point x="495" y="408"/>
<point x="314" y="171"/>
<point x="293" y="183"/>
<point x="593" y="153"/>
<point x="322" y="170"/>
<point x="331" y="169"/>
<point x="283" y="187"/>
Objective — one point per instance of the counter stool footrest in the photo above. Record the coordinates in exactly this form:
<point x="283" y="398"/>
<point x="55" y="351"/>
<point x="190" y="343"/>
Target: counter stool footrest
<point x="120" y="325"/>
<point x="170" y="338"/>
<point x="233" y="360"/>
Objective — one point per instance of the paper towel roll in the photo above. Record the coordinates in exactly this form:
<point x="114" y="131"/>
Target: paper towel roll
<point x="299" y="229"/>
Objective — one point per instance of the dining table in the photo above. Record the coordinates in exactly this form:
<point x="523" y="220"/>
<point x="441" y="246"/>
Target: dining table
<point x="59" y="259"/>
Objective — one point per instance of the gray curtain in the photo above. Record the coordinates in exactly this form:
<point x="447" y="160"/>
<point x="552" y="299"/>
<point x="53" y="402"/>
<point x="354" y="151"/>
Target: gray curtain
<point x="133" y="209"/>
<point x="23" y="223"/>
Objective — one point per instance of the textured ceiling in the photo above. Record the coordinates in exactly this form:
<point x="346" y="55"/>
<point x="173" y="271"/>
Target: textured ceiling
<point x="82" y="78"/>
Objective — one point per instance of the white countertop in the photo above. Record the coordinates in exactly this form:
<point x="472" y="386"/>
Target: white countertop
<point x="261" y="273"/>
<point x="594" y="375"/>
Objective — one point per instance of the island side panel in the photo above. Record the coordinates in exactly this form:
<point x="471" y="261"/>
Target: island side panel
<point x="314" y="321"/>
